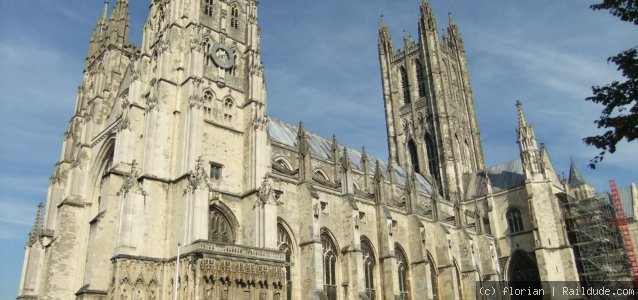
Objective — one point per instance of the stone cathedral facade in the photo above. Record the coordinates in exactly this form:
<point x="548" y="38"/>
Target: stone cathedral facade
<point x="170" y="150"/>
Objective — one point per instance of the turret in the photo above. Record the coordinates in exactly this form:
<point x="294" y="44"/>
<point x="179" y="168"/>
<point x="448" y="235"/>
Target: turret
<point x="99" y="32"/>
<point x="119" y="24"/>
<point x="530" y="156"/>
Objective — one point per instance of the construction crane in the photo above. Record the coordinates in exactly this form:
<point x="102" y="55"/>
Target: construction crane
<point x="621" y="222"/>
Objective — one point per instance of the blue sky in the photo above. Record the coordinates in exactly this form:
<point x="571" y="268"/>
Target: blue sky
<point x="322" y="68"/>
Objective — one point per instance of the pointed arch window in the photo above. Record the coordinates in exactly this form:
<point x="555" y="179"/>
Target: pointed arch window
<point x="284" y="242"/>
<point x="220" y="229"/>
<point x="405" y="86"/>
<point x="414" y="158"/>
<point x="420" y="79"/>
<point x="207" y="48"/>
<point x="433" y="163"/>
<point x="402" y="270"/>
<point x="514" y="220"/>
<point x="208" y="8"/>
<point x="329" y="266"/>
<point x="228" y="110"/>
<point x="234" y="17"/>
<point x="208" y="104"/>
<point x="368" y="268"/>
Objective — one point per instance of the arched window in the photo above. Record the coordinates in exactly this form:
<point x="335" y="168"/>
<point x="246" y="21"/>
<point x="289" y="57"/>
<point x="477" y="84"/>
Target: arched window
<point x="284" y="242"/>
<point x="514" y="220"/>
<point x="329" y="266"/>
<point x="434" y="280"/>
<point x="234" y="17"/>
<point x="414" y="158"/>
<point x="321" y="175"/>
<point x="420" y="78"/>
<point x="283" y="163"/>
<point x="433" y="163"/>
<point x="368" y="267"/>
<point x="220" y="229"/>
<point x="208" y="104"/>
<point x="208" y="8"/>
<point x="402" y="270"/>
<point x="207" y="48"/>
<point x="405" y="86"/>
<point x="228" y="110"/>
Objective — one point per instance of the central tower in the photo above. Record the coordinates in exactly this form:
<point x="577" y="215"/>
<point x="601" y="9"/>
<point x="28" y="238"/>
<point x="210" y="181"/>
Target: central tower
<point x="430" y="115"/>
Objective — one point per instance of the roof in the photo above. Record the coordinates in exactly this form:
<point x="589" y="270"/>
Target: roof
<point x="506" y="175"/>
<point x="282" y="132"/>
<point x="575" y="178"/>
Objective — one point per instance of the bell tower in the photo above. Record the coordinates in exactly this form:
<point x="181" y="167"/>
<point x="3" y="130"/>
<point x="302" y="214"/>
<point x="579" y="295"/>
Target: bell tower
<point x="204" y="62"/>
<point x="430" y="115"/>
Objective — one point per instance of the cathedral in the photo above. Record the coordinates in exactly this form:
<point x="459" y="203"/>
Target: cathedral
<point x="174" y="183"/>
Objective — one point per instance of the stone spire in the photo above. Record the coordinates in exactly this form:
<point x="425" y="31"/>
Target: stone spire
<point x="119" y="23"/>
<point x="385" y="39"/>
<point x="427" y="16"/>
<point x="38" y="225"/>
<point x="575" y="178"/>
<point x="530" y="156"/>
<point x="99" y="32"/>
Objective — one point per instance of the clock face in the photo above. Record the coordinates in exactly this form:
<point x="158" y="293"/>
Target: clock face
<point x="222" y="56"/>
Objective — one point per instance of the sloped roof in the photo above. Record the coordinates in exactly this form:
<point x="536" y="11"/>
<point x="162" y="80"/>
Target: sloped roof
<point x="506" y="175"/>
<point x="285" y="133"/>
<point x="575" y="178"/>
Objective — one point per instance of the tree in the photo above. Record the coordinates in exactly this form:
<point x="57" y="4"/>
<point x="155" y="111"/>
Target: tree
<point x="620" y="99"/>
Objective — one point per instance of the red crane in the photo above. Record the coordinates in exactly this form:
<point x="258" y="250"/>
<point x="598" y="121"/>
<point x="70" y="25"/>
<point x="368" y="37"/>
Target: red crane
<point x="621" y="222"/>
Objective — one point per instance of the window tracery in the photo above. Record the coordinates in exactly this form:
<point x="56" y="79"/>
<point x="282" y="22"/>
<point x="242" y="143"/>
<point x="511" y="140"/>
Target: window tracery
<point x="405" y="86"/>
<point x="402" y="270"/>
<point x="208" y="8"/>
<point x="284" y="242"/>
<point x="515" y="220"/>
<point x="329" y="266"/>
<point x="368" y="268"/>
<point x="220" y="229"/>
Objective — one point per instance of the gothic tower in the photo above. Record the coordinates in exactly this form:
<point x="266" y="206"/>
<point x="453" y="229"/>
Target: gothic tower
<point x="166" y="139"/>
<point x="430" y="115"/>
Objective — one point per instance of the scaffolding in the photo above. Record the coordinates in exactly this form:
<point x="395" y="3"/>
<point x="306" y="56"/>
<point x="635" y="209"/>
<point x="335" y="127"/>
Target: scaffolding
<point x="592" y="230"/>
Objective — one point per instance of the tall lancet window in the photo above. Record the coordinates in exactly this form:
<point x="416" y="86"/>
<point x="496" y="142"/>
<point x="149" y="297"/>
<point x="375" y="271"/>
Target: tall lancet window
<point x="433" y="163"/>
<point x="220" y="230"/>
<point x="420" y="79"/>
<point x="514" y="220"/>
<point x="368" y="268"/>
<point x="414" y="158"/>
<point x="234" y="17"/>
<point x="284" y="242"/>
<point x="405" y="85"/>
<point x="329" y="266"/>
<point x="402" y="270"/>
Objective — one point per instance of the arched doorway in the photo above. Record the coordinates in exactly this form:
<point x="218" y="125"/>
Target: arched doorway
<point x="522" y="274"/>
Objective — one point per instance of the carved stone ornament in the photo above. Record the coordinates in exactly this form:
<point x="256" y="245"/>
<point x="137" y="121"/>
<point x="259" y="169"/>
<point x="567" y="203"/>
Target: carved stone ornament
<point x="223" y="56"/>
<point x="268" y="195"/>
<point x="152" y="96"/>
<point x="198" y="178"/>
<point x="196" y="98"/>
<point x="131" y="184"/>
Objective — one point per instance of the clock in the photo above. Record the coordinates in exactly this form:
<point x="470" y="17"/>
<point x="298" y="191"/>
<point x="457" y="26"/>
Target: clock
<point x="222" y="56"/>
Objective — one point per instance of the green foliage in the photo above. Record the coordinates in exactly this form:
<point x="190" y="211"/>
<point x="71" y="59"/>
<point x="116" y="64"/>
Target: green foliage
<point x="620" y="99"/>
<point x="626" y="10"/>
